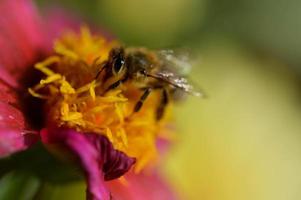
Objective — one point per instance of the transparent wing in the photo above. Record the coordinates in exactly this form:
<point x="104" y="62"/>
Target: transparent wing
<point x="174" y="67"/>
<point x="177" y="82"/>
<point x="176" y="61"/>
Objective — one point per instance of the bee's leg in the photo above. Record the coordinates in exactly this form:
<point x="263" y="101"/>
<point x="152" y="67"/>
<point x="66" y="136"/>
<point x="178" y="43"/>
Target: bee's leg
<point x="114" y="85"/>
<point x="144" y="96"/>
<point x="163" y="103"/>
<point x="117" y="83"/>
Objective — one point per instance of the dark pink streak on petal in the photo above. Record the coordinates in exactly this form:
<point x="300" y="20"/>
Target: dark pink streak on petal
<point x="146" y="186"/>
<point x="99" y="160"/>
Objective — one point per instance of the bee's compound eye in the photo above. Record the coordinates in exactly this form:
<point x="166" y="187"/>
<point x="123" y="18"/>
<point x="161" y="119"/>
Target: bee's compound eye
<point x="143" y="72"/>
<point x="118" y="65"/>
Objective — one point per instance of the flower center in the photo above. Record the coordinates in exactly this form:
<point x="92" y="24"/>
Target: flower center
<point x="75" y="99"/>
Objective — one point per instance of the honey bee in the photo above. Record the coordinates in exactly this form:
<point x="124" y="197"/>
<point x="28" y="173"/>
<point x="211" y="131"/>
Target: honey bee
<point x="151" y="70"/>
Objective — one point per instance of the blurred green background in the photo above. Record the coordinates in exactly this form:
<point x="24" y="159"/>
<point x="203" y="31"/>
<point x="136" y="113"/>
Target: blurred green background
<point x="244" y="141"/>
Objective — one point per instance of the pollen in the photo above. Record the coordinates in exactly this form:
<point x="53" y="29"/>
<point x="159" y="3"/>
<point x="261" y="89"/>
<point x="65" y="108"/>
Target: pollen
<point x="75" y="99"/>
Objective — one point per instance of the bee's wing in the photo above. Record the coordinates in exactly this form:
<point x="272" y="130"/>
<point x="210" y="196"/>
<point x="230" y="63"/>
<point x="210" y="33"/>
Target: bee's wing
<point x="178" y="82"/>
<point x="176" y="61"/>
<point x="174" y="67"/>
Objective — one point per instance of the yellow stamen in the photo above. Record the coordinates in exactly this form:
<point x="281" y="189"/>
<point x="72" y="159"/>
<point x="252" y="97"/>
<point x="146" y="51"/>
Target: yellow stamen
<point x="109" y="134"/>
<point x="42" y="66"/>
<point x="72" y="116"/>
<point x="64" y="109"/>
<point x="61" y="49"/>
<point x="119" y="113"/>
<point x="35" y="94"/>
<point x="50" y="79"/>
<point x="123" y="137"/>
<point x="66" y="88"/>
<point x="92" y="90"/>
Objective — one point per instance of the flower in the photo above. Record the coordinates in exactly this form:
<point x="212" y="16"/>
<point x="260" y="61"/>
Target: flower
<point x="99" y="160"/>
<point x="75" y="115"/>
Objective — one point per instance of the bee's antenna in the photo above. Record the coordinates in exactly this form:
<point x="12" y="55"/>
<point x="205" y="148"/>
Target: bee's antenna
<point x="99" y="72"/>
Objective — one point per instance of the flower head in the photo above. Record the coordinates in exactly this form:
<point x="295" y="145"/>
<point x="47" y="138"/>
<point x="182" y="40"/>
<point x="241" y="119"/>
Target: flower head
<point x="98" y="126"/>
<point x="76" y="99"/>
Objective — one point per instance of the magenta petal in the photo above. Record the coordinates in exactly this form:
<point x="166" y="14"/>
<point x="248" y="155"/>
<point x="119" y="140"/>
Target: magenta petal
<point x="99" y="160"/>
<point x="21" y="35"/>
<point x="20" y="40"/>
<point x="12" y="141"/>
<point x="58" y="21"/>
<point x="115" y="163"/>
<point x="13" y="136"/>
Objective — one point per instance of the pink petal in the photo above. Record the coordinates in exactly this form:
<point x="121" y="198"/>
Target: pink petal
<point x="20" y="40"/>
<point x="21" y="35"/>
<point x="146" y="186"/>
<point x="13" y="138"/>
<point x="59" y="20"/>
<point x="99" y="160"/>
<point x="11" y="141"/>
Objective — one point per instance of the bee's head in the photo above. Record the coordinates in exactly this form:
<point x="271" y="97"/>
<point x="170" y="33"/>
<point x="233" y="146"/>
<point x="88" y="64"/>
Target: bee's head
<point x="136" y="62"/>
<point x="139" y="61"/>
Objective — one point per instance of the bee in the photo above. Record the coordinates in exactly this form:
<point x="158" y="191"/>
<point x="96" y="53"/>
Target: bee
<point x="151" y="70"/>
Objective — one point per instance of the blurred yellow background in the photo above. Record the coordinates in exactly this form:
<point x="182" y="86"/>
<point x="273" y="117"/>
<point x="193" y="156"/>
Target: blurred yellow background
<point x="243" y="141"/>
